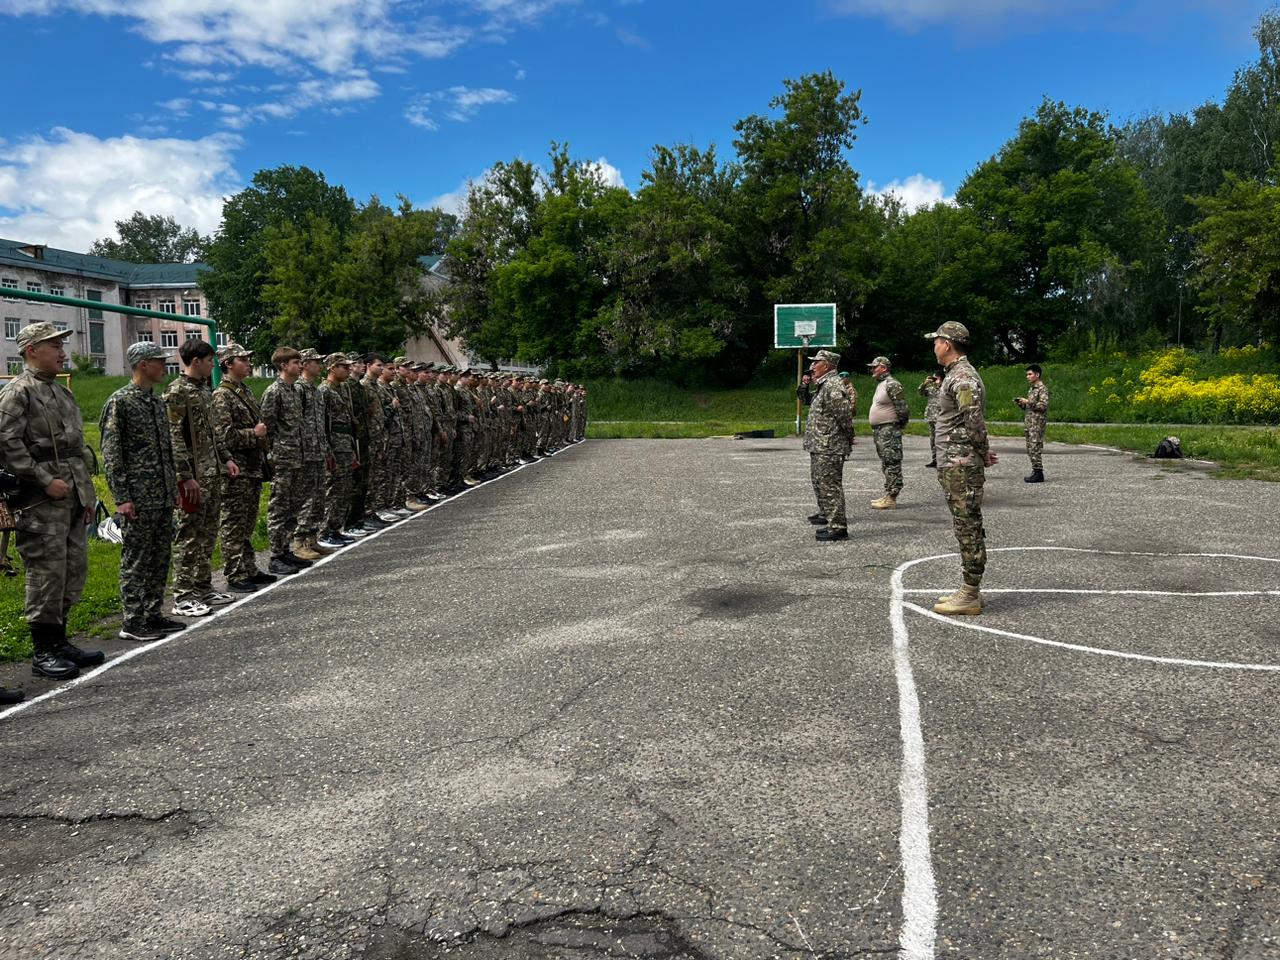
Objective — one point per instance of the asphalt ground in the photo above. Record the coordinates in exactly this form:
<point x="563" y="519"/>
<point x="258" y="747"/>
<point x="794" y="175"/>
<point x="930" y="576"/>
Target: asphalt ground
<point x="621" y="704"/>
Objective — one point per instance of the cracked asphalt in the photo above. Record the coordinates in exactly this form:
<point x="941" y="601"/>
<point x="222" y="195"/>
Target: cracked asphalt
<point x="621" y="704"/>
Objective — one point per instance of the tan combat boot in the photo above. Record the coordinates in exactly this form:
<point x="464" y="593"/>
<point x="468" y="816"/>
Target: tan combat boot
<point x="302" y="550"/>
<point x="965" y="602"/>
<point x="885" y="503"/>
<point x="413" y="503"/>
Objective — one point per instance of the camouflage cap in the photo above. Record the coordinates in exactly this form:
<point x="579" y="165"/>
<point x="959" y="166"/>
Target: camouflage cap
<point x="310" y="354"/>
<point x="39" y="333"/>
<point x="880" y="362"/>
<point x="230" y="350"/>
<point x="825" y="356"/>
<point x="355" y="358"/>
<point x="951" y="330"/>
<point x="138" y="352"/>
<point x="336" y="359"/>
<point x="400" y="361"/>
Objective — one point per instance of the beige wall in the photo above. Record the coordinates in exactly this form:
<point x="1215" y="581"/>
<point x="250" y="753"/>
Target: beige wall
<point x="75" y="319"/>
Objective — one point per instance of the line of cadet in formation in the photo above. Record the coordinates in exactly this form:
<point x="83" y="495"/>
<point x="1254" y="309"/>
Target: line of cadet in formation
<point x="350" y="444"/>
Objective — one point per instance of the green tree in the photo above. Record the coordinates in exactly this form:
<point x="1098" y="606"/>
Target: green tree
<point x="151" y="239"/>
<point x="282" y="197"/>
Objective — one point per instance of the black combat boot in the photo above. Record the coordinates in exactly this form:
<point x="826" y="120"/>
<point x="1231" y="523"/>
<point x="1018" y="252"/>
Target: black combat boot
<point x="817" y="519"/>
<point x="9" y="696"/>
<point x="46" y="661"/>
<point x="69" y="651"/>
<point x="1037" y="476"/>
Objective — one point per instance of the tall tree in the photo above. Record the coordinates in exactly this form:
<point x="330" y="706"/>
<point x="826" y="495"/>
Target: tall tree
<point x="151" y="239"/>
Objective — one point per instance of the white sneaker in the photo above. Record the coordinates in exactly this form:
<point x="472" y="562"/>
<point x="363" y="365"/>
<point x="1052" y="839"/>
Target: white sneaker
<point x="355" y="532"/>
<point x="388" y="516"/>
<point x="215" y="599"/>
<point x="190" y="608"/>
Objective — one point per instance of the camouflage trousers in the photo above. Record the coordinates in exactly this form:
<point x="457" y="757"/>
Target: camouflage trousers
<point x="290" y="490"/>
<point x="193" y="544"/>
<point x="463" y="453"/>
<point x="144" y="562"/>
<point x="311" y="514"/>
<point x="441" y="461"/>
<point x="888" y="438"/>
<point x="376" y="479"/>
<point x="337" y="491"/>
<point x="933" y="442"/>
<point x="1034" y="429"/>
<point x="53" y="545"/>
<point x="962" y="486"/>
<point x="240" y="500"/>
<point x="396" y="450"/>
<point x="359" y="489"/>
<point x="827" y="472"/>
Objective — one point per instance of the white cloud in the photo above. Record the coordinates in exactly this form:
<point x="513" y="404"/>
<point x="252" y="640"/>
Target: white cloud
<point x="609" y="174"/>
<point x="917" y="13"/>
<point x="337" y="94"/>
<point x="455" y="200"/>
<point x="68" y="190"/>
<point x="459" y="104"/>
<point x="915" y="192"/>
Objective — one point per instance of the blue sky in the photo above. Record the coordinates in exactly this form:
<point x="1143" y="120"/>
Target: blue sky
<point x="169" y="105"/>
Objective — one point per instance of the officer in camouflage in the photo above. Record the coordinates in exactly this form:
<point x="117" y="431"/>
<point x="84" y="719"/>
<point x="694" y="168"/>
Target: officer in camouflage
<point x="1035" y="408"/>
<point x="238" y="425"/>
<point x="964" y="453"/>
<point x="887" y="416"/>
<point x="200" y="459"/>
<point x="929" y="390"/>
<point x="827" y="436"/>
<point x="137" y="458"/>
<point x="42" y="445"/>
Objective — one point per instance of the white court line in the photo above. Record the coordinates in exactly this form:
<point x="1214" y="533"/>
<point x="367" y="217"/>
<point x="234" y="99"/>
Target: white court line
<point x="1111" y="593"/>
<point x="917" y="939"/>
<point x="226" y="609"/>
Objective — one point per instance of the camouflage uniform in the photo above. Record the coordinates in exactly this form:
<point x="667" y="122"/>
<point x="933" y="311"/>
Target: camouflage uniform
<point x="1037" y="417"/>
<point x="465" y="410"/>
<point x="447" y="425"/>
<point x="393" y="419"/>
<point x="827" y="437"/>
<point x="235" y="414"/>
<point x="929" y="390"/>
<point x="197" y="455"/>
<point x="341" y="440"/>
<point x="359" y="404"/>
<point x="137" y="458"/>
<point x="376" y="422"/>
<point x="282" y="413"/>
<point x="962" y="451"/>
<point x="888" y="436"/>
<point x="315" y="454"/>
<point x="41" y="440"/>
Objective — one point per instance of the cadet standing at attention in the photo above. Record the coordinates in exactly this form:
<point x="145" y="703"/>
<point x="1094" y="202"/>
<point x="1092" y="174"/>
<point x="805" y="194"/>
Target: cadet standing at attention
<point x="963" y="455"/>
<point x="282" y="413"/>
<point x="137" y="457"/>
<point x="929" y="390"/>
<point x="1035" y="407"/>
<point x="888" y="415"/>
<point x="827" y="436"/>
<point x="317" y="460"/>
<point x="340" y="436"/>
<point x="42" y="444"/>
<point x="200" y="459"/>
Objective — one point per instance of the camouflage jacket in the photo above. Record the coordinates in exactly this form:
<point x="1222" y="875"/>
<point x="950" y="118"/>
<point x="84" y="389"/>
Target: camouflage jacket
<point x="1037" y="409"/>
<point x="375" y="420"/>
<point x="42" y="439"/>
<point x="315" y="444"/>
<point x="359" y="409"/>
<point x="336" y="407"/>
<point x="392" y="416"/>
<point x="829" y="427"/>
<point x="235" y="414"/>
<point x="446" y="396"/>
<point x="137" y="454"/>
<point x="465" y="407"/>
<point x="282" y="413"/>
<point x="962" y="420"/>
<point x="197" y="452"/>
<point x="929" y="390"/>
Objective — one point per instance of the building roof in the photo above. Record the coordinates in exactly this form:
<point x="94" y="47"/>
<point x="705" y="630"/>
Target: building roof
<point x="34" y="256"/>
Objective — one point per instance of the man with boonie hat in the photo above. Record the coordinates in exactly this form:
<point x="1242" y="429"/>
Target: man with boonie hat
<point x="887" y="416"/>
<point x="42" y="445"/>
<point x="827" y="436"/>
<point x="238" y="423"/>
<point x="964" y="453"/>
<point x="137" y="458"/>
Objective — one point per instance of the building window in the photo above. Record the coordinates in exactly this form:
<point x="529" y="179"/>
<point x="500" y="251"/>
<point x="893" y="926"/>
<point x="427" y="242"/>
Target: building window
<point x="8" y="283"/>
<point x="145" y="337"/>
<point x="11" y="327"/>
<point x="166" y="306"/>
<point x="195" y="333"/>
<point x="171" y="368"/>
<point x="168" y="338"/>
<point x="58" y="291"/>
<point x="142" y="304"/>
<point x="35" y="286"/>
<point x="222" y="339"/>
<point x="61" y="326"/>
<point x="14" y="364"/>
<point x="191" y="308"/>
<point x="94" y="312"/>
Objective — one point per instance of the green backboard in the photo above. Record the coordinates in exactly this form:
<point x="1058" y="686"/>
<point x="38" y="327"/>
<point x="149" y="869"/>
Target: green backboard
<point x="792" y="322"/>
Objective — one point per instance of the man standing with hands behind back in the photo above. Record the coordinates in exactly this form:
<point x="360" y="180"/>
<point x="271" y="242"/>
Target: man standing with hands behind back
<point x="963" y="456"/>
<point x="827" y="436"/>
<point x="42" y="444"/>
